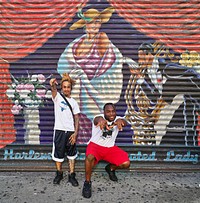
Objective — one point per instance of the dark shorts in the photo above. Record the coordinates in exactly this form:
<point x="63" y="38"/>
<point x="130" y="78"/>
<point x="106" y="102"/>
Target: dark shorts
<point x="62" y="147"/>
<point x="113" y="155"/>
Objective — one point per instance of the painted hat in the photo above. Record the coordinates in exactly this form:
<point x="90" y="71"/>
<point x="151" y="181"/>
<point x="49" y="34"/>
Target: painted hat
<point x="90" y="15"/>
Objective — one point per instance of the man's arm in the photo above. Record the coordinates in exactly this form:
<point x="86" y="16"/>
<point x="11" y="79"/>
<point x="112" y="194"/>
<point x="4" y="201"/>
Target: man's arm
<point x="76" y="124"/>
<point x="73" y="137"/>
<point x="53" y="84"/>
<point x="100" y="121"/>
<point x="120" y="123"/>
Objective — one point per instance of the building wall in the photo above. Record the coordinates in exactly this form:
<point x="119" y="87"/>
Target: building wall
<point x="148" y="65"/>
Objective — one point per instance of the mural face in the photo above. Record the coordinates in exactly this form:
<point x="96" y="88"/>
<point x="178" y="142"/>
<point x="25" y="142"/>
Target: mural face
<point x="150" y="74"/>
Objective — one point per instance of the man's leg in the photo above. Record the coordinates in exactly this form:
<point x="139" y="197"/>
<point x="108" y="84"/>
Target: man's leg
<point x="89" y="164"/>
<point x="118" y="159"/>
<point x="59" y="173"/>
<point x="71" y="155"/>
<point x="110" y="169"/>
<point x="58" y="166"/>
<point x="58" y="152"/>
<point x="124" y="165"/>
<point x="72" y="174"/>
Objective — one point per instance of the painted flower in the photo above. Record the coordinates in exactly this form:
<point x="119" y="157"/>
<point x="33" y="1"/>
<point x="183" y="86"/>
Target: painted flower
<point x="16" y="109"/>
<point x="33" y="78"/>
<point x="41" y="78"/>
<point x="24" y="93"/>
<point x="190" y="59"/>
<point x="48" y="94"/>
<point x="10" y="93"/>
<point x="41" y="93"/>
<point x="29" y="87"/>
<point x="27" y="92"/>
<point x="20" y="87"/>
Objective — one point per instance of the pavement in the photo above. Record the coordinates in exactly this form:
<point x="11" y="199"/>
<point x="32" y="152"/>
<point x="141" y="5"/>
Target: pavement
<point x="132" y="187"/>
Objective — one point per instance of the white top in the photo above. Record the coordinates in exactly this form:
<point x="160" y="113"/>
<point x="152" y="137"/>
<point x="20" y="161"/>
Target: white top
<point x="97" y="134"/>
<point x="63" y="116"/>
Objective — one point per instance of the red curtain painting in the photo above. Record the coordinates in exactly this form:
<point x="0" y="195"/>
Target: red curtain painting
<point x="173" y="23"/>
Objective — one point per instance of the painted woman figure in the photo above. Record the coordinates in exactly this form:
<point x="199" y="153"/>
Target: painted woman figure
<point x="95" y="62"/>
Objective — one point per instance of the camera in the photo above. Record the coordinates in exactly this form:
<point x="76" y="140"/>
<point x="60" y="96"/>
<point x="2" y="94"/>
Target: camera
<point x="107" y="132"/>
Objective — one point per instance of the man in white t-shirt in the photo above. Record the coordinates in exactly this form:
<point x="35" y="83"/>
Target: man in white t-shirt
<point x="66" y="111"/>
<point x="102" y="146"/>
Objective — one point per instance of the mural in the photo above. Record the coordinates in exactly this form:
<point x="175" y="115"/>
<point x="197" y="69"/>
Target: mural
<point x="96" y="64"/>
<point x="142" y="57"/>
<point x="27" y="95"/>
<point x="159" y="86"/>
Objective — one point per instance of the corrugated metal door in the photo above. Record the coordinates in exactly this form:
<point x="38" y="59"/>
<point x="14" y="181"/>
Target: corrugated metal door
<point x="145" y="59"/>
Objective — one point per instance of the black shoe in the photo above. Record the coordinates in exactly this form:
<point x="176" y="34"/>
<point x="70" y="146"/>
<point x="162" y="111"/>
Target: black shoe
<point x="58" y="178"/>
<point x="72" y="179"/>
<point x="111" y="174"/>
<point x="87" y="189"/>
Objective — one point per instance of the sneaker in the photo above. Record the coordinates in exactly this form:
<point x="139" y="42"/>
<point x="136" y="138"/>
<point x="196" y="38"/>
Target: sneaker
<point x="58" y="178"/>
<point x="72" y="179"/>
<point x="87" y="190"/>
<point x="111" y="174"/>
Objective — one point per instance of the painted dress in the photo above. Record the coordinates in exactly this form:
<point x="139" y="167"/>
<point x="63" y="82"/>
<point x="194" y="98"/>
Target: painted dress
<point x="98" y="79"/>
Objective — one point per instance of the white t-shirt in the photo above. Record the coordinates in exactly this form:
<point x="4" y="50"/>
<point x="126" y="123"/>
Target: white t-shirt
<point x="105" y="141"/>
<point x="63" y="116"/>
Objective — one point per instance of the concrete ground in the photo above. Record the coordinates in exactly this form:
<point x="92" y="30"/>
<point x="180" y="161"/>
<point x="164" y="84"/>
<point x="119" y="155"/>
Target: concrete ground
<point x="132" y="187"/>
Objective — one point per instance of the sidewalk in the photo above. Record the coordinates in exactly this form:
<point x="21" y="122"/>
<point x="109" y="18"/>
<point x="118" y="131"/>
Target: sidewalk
<point x="132" y="187"/>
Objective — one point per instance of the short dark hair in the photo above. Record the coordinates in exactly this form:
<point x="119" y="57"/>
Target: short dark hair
<point x="109" y="104"/>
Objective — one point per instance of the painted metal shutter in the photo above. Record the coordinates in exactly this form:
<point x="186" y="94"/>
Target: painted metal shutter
<point x="148" y="65"/>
